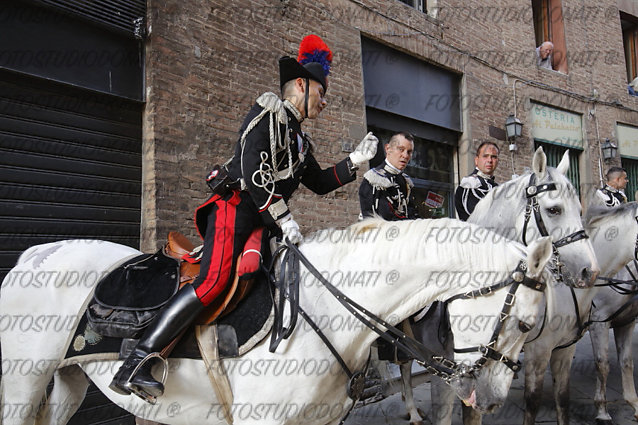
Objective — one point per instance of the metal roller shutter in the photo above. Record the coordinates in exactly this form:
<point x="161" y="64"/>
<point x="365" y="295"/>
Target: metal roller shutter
<point x="70" y="167"/>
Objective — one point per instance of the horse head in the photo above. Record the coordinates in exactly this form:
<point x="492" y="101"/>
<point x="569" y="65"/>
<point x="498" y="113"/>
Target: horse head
<point x="614" y="235"/>
<point x="543" y="203"/>
<point x="485" y="388"/>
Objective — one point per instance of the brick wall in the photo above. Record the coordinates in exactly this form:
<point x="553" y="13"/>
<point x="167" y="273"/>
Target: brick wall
<point x="206" y="62"/>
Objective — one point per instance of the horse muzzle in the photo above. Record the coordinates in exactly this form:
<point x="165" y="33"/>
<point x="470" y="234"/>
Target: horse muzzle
<point x="585" y="279"/>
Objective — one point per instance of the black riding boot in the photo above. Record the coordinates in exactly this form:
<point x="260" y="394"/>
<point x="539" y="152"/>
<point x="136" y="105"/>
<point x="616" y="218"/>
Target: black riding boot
<point x="180" y="311"/>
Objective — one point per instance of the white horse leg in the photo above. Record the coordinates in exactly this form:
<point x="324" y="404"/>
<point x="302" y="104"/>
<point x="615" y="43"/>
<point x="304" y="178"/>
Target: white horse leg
<point x="624" y="338"/>
<point x="408" y="394"/>
<point x="443" y="399"/>
<point x="561" y="365"/>
<point x="69" y="389"/>
<point x="599" y="335"/>
<point x="535" y="366"/>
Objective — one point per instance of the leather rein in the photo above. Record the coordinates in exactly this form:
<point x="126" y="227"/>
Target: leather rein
<point x="435" y="364"/>
<point x="618" y="286"/>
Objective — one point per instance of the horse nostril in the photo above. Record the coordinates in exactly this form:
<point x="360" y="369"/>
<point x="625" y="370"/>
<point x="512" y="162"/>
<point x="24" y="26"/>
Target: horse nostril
<point x="588" y="275"/>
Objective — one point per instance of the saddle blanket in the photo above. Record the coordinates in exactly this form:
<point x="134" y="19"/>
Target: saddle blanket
<point x="238" y="332"/>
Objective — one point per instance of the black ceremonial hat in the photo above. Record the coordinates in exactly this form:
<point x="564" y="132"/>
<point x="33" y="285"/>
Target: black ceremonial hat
<point x="313" y="62"/>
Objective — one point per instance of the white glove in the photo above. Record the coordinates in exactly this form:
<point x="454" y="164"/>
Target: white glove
<point x="366" y="150"/>
<point x="290" y="229"/>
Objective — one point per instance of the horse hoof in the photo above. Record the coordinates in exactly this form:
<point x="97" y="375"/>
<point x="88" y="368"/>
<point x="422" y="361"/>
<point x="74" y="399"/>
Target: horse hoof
<point x="604" y="422"/>
<point x="406" y="417"/>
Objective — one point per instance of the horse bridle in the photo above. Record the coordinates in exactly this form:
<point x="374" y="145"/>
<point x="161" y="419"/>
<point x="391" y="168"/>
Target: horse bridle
<point x="618" y="286"/>
<point x="516" y="278"/>
<point x="532" y="206"/>
<point x="435" y="364"/>
<point x="615" y="285"/>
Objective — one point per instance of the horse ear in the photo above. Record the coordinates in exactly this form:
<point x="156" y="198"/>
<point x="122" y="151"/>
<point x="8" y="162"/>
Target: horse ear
<point x="538" y="254"/>
<point x="539" y="163"/>
<point x="563" y="166"/>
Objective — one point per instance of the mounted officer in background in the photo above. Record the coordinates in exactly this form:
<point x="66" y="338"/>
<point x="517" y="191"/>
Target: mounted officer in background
<point x="613" y="193"/>
<point x="251" y="191"/>
<point x="474" y="187"/>
<point x="386" y="190"/>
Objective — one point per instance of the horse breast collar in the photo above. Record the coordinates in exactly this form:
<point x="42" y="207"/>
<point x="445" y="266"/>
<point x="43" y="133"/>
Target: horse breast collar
<point x="531" y="192"/>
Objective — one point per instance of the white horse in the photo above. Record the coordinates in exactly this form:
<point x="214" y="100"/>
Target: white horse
<point x="432" y="259"/>
<point x="617" y="308"/>
<point x="554" y="342"/>
<point x="504" y="211"/>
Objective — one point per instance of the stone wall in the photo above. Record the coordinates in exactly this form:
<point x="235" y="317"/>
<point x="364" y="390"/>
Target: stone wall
<point x="207" y="61"/>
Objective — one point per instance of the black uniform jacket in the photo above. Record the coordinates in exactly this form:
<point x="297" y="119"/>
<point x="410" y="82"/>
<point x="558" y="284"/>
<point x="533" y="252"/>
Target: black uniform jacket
<point x="611" y="197"/>
<point x="271" y="186"/>
<point x="472" y="189"/>
<point x="387" y="193"/>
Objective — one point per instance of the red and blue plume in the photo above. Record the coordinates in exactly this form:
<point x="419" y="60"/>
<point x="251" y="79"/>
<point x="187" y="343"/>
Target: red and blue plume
<point x="313" y="49"/>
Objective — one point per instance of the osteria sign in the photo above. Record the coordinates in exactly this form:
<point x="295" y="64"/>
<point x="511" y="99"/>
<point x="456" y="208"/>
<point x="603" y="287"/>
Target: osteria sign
<point x="627" y="140"/>
<point x="556" y="126"/>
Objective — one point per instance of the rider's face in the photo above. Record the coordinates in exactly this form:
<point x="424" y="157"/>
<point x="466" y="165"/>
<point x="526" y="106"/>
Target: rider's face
<point x="316" y="101"/>
<point x="399" y="152"/>
<point x="619" y="182"/>
<point x="487" y="159"/>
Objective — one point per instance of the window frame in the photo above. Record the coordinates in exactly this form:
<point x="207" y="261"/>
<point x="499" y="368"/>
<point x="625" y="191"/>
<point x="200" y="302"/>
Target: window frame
<point x="554" y="157"/>
<point x="629" y="27"/>
<point x="549" y="26"/>
<point x="420" y="5"/>
<point x="630" y="164"/>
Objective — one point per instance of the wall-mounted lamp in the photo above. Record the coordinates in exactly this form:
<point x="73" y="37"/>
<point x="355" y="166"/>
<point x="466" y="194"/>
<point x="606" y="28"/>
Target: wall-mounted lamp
<point x="513" y="129"/>
<point x="608" y="149"/>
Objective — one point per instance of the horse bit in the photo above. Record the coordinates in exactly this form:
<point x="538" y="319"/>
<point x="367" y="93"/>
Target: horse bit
<point x="533" y="206"/>
<point x="447" y="370"/>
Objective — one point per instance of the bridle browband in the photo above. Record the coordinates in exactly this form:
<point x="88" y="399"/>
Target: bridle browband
<point x="532" y="206"/>
<point x="447" y="370"/>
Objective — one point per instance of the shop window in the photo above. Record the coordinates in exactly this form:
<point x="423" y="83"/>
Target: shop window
<point x="630" y="43"/>
<point x="548" y="26"/>
<point x="431" y="169"/>
<point x="555" y="153"/>
<point x="631" y="166"/>
<point x="417" y="4"/>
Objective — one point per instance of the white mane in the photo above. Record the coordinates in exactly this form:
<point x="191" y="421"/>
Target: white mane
<point x="448" y="243"/>
<point x="598" y="214"/>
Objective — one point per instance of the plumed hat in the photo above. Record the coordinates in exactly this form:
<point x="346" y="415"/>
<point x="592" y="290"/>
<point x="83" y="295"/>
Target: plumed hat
<point x="313" y="62"/>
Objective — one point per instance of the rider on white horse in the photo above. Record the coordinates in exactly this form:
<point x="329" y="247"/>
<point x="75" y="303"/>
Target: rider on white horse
<point x="613" y="193"/>
<point x="270" y="161"/>
<point x="386" y="190"/>
<point x="474" y="187"/>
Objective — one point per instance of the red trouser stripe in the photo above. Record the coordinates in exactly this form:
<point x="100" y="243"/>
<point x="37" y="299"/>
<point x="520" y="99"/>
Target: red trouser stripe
<point x="221" y="261"/>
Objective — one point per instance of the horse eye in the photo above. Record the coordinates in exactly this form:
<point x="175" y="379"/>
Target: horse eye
<point x="554" y="211"/>
<point x="524" y="327"/>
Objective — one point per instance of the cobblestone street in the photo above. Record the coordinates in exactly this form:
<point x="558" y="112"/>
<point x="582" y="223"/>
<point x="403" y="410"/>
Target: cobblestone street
<point x="582" y="410"/>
